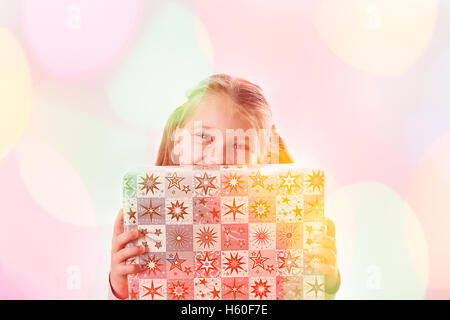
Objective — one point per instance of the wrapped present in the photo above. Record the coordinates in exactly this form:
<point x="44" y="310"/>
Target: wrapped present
<point x="225" y="232"/>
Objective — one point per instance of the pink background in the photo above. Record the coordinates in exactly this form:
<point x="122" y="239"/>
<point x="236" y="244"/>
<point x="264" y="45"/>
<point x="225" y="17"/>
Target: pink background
<point x="359" y="88"/>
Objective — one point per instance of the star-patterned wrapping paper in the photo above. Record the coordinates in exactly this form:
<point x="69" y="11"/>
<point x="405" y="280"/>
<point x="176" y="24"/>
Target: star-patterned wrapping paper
<point x="225" y="232"/>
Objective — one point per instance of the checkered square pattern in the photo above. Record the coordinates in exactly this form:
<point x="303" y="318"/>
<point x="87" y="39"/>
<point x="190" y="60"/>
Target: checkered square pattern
<point x="225" y="232"/>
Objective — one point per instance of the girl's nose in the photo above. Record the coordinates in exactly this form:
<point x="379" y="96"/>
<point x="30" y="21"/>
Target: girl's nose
<point x="211" y="156"/>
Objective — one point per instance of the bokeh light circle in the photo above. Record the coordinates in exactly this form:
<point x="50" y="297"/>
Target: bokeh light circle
<point x="431" y="119"/>
<point x="54" y="183"/>
<point x="386" y="229"/>
<point x="168" y="59"/>
<point x="73" y="39"/>
<point x="98" y="150"/>
<point x="428" y="193"/>
<point x="41" y="257"/>
<point x="204" y="41"/>
<point x="445" y="2"/>
<point x="9" y="15"/>
<point x="382" y="37"/>
<point x="415" y="240"/>
<point x="15" y="91"/>
<point x="307" y="86"/>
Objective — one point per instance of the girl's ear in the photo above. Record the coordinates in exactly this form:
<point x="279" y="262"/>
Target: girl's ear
<point x="178" y="147"/>
<point x="181" y="147"/>
<point x="177" y="150"/>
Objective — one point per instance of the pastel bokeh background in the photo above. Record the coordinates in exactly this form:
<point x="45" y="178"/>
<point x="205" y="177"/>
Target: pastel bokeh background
<point x="360" y="88"/>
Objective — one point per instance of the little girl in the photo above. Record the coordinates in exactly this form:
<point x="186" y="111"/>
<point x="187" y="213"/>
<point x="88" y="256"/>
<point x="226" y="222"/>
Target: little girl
<point x="198" y="133"/>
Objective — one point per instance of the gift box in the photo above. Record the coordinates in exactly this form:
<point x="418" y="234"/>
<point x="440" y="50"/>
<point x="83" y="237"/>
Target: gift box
<point x="225" y="232"/>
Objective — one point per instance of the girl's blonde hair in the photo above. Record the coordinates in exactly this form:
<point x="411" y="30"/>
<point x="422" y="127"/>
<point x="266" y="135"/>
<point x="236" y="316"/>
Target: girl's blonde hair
<point x="251" y="104"/>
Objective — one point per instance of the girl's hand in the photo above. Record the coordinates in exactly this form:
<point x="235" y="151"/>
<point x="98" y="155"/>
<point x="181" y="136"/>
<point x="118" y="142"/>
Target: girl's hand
<point x="323" y="257"/>
<point x="119" y="255"/>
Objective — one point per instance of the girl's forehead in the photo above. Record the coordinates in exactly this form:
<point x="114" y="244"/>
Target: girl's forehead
<point x="218" y="111"/>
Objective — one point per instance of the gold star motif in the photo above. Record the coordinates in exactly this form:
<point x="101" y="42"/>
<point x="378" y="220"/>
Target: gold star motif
<point x="215" y="213"/>
<point x="205" y="182"/>
<point x="234" y="263"/>
<point x="152" y="291"/>
<point x="187" y="270"/>
<point x="258" y="260"/>
<point x="174" y="181"/>
<point x="131" y="214"/>
<point x="150" y="183"/>
<point x="234" y="209"/>
<point x="177" y="210"/>
<point x="314" y="208"/>
<point x="234" y="289"/>
<point x="233" y="182"/>
<point x="316" y="287"/>
<point x="215" y="293"/>
<point x="260" y="208"/>
<point x="258" y="179"/>
<point x="133" y="295"/>
<point x="143" y="232"/>
<point x="260" y="288"/>
<point x="289" y="262"/>
<point x="178" y="290"/>
<point x="298" y="211"/>
<point x="297" y="292"/>
<point x="176" y="262"/>
<point x="150" y="210"/>
<point x="289" y="181"/>
<point x="152" y="265"/>
<point x="315" y="180"/>
<point x="207" y="264"/>
<point x="186" y="189"/>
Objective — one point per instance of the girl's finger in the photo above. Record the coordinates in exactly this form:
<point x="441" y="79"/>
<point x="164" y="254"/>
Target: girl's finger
<point x="328" y="254"/>
<point x="331" y="229"/>
<point x="324" y="240"/>
<point x="118" y="224"/>
<point x="126" y="269"/>
<point x="129" y="252"/>
<point x="122" y="239"/>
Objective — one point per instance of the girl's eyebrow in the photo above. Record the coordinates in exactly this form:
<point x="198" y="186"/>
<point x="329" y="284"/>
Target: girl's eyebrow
<point x="202" y="127"/>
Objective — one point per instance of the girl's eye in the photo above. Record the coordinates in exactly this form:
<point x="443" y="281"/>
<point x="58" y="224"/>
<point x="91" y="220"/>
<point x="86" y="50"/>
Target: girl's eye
<point x="205" y="137"/>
